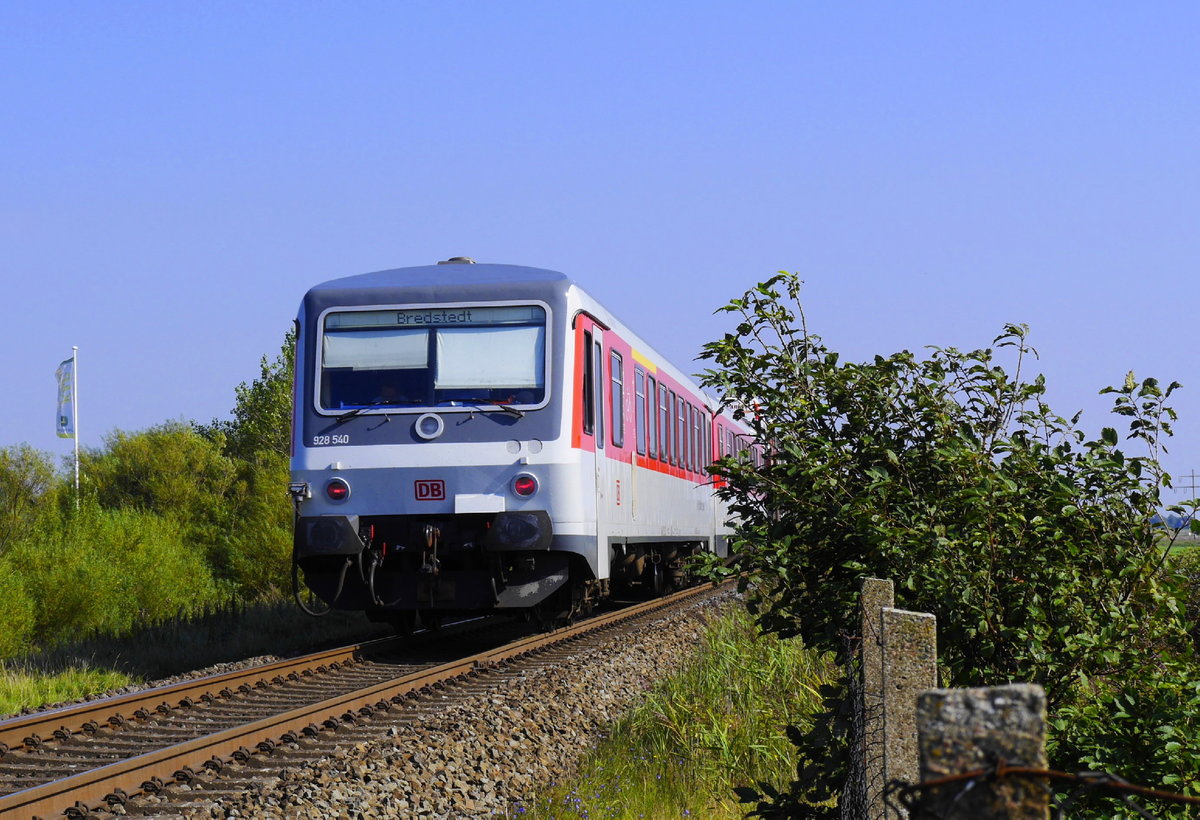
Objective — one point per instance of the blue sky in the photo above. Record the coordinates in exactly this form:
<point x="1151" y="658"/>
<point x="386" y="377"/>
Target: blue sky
<point x="174" y="176"/>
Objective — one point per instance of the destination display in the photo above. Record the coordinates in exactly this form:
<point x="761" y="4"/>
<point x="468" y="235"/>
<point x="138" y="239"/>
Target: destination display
<point x="437" y="317"/>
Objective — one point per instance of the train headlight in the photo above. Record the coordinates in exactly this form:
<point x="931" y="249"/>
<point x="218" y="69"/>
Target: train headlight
<point x="337" y="489"/>
<point x="429" y="426"/>
<point x="524" y="485"/>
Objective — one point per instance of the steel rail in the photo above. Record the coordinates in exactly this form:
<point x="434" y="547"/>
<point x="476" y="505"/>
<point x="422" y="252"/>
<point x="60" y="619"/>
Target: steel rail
<point x="92" y="787"/>
<point x="14" y="730"/>
<point x="74" y="717"/>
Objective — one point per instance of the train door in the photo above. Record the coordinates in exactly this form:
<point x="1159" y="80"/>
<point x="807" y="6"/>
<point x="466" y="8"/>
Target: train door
<point x="591" y="430"/>
<point x="604" y="477"/>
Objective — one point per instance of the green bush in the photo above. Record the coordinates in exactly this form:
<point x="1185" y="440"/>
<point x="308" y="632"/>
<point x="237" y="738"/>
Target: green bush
<point x="170" y="469"/>
<point x="17" y="616"/>
<point x="262" y="410"/>
<point x="258" y="549"/>
<point x="104" y="571"/>
<point x="170" y="519"/>
<point x="1031" y="542"/>
<point x="28" y="484"/>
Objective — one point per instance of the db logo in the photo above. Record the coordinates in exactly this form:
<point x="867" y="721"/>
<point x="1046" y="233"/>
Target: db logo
<point x="430" y="489"/>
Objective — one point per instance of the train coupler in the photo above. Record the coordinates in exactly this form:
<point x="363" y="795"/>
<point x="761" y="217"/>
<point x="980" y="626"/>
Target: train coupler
<point x="430" y="565"/>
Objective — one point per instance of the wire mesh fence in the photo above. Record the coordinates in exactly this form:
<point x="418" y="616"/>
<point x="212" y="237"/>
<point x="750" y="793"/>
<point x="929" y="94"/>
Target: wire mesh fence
<point x="1071" y="795"/>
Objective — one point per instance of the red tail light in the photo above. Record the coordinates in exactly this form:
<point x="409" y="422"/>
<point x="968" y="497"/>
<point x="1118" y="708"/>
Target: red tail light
<point x="337" y="489"/>
<point x="525" y="485"/>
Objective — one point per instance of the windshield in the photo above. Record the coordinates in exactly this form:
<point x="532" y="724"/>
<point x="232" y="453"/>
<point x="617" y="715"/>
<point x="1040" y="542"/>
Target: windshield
<point x="434" y="357"/>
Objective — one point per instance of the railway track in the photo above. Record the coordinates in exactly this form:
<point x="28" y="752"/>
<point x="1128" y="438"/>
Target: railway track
<point x="80" y="759"/>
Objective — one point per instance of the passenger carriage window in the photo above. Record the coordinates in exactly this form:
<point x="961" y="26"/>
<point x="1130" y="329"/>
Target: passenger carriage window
<point x="689" y="433"/>
<point x="695" y="438"/>
<point x="651" y="417"/>
<point x="685" y="455"/>
<point x="589" y="404"/>
<point x="615" y="367"/>
<point x="672" y="442"/>
<point x="664" y="424"/>
<point x="639" y="409"/>
<point x="680" y="433"/>
<point x="686" y="409"/>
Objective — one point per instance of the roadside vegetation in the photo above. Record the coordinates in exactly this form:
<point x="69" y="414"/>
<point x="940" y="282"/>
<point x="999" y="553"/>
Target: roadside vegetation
<point x="717" y="724"/>
<point x="177" y="522"/>
<point x="233" y="632"/>
<point x="1033" y="542"/>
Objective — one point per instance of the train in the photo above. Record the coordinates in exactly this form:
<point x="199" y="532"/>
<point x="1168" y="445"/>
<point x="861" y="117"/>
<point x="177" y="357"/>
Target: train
<point x="476" y="438"/>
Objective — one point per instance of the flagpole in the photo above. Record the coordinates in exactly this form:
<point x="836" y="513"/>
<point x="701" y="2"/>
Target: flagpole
<point x="75" y="413"/>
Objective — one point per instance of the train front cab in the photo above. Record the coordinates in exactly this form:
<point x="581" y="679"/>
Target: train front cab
<point x="453" y="491"/>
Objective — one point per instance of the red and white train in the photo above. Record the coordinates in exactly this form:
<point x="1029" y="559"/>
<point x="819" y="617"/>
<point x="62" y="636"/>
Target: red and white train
<point x="474" y="437"/>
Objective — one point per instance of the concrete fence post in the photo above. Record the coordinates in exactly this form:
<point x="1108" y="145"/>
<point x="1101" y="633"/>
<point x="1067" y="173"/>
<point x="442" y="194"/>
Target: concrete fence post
<point x="899" y="660"/>
<point x="909" y="668"/>
<point x="963" y="730"/>
<point x="877" y="594"/>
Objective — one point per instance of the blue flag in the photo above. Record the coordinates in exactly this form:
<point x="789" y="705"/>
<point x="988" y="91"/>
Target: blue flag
<point x="66" y="399"/>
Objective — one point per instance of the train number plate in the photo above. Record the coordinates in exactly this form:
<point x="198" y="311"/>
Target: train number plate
<point x="430" y="489"/>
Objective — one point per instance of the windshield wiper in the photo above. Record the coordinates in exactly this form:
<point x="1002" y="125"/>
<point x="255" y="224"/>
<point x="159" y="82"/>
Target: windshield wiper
<point x="486" y="405"/>
<point x="496" y="405"/>
<point x="349" y="414"/>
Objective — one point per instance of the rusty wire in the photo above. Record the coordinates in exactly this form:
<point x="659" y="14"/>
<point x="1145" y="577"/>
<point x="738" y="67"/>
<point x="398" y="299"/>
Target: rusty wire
<point x="914" y="798"/>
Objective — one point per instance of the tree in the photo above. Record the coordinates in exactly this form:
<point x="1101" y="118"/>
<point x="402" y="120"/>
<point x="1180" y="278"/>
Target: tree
<point x="27" y="480"/>
<point x="262" y="410"/>
<point x="253" y="548"/>
<point x="1032" y="544"/>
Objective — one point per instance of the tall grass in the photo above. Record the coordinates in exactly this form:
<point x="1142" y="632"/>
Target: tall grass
<point x="26" y="688"/>
<point x="716" y="724"/>
<point x="100" y="662"/>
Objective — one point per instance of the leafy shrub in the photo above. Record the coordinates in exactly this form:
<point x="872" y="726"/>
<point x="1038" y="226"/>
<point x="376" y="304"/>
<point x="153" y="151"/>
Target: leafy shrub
<point x="27" y="485"/>
<point x="258" y="550"/>
<point x="1031" y="543"/>
<point x="172" y="518"/>
<point x="169" y="469"/>
<point x="104" y="570"/>
<point x="261" y="422"/>
<point x="18" y="613"/>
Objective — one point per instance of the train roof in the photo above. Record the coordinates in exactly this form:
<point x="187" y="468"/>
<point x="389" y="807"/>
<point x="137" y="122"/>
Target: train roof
<point x="450" y="281"/>
<point x="459" y="274"/>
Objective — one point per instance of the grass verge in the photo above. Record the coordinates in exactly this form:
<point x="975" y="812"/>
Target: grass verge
<point x="21" y="688"/>
<point x="103" y="662"/>
<point x="716" y="724"/>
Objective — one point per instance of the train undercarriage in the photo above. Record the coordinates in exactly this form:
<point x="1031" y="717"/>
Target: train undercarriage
<point x="401" y="569"/>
